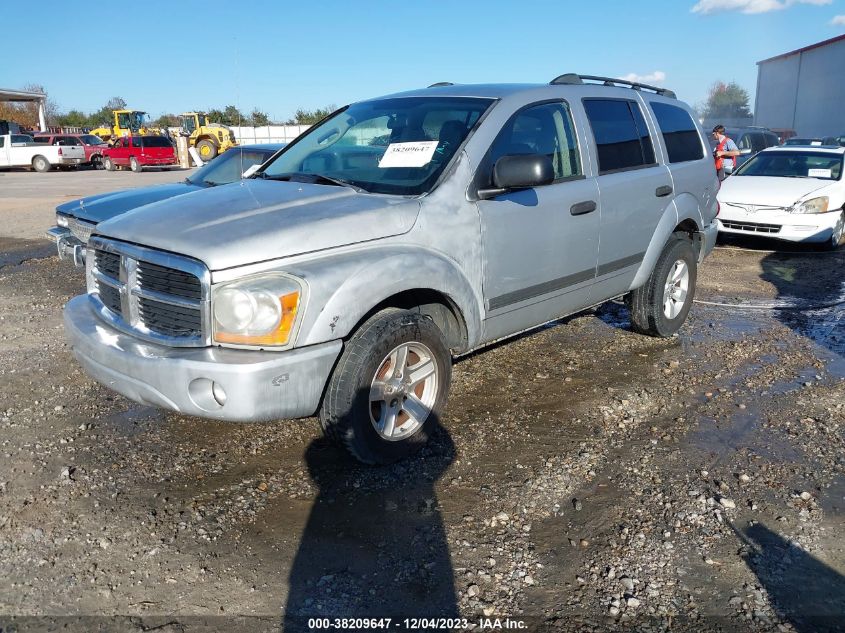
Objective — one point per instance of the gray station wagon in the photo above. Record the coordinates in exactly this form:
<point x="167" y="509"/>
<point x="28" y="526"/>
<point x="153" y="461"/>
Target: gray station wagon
<point x="343" y="276"/>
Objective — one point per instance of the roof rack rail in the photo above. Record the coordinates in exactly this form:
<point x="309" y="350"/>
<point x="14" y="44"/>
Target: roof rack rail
<point x="573" y="79"/>
<point x="441" y="83"/>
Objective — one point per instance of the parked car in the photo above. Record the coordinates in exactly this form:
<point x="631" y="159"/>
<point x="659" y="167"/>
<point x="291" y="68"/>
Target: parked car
<point x="137" y="152"/>
<point x="93" y="146"/>
<point x="343" y="276"/>
<point x="76" y="220"/>
<point x="20" y="150"/>
<point x="817" y="141"/>
<point x="783" y="134"/>
<point x="787" y="193"/>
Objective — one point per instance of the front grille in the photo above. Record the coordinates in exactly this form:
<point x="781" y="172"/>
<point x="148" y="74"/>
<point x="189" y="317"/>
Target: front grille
<point x="169" y="319"/>
<point x="107" y="263"/>
<point x="161" y="279"/>
<point x="80" y="229"/>
<point x="751" y="227"/>
<point x="154" y="295"/>
<point x="110" y="298"/>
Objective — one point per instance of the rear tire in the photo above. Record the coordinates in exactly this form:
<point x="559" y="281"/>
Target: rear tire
<point x="389" y="388"/>
<point x="134" y="165"/>
<point x="207" y="150"/>
<point x="661" y="305"/>
<point x="108" y="164"/>
<point x="41" y="164"/>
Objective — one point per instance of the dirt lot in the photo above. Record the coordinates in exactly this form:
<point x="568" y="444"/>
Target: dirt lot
<point x="586" y="478"/>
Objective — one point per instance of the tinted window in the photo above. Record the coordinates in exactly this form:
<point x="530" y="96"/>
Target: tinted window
<point x="758" y="142"/>
<point x="744" y="141"/>
<point x="622" y="139"/>
<point x="771" y="140"/>
<point x="544" y="129"/>
<point x="2" y="141"/>
<point x="155" y="141"/>
<point x="679" y="133"/>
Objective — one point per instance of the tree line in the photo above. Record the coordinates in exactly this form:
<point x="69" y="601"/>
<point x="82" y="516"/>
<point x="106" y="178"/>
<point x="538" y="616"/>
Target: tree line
<point x="26" y="114"/>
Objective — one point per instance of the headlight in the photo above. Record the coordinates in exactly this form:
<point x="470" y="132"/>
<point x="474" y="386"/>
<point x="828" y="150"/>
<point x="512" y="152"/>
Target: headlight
<point x="814" y="205"/>
<point x="261" y="310"/>
<point x="61" y="220"/>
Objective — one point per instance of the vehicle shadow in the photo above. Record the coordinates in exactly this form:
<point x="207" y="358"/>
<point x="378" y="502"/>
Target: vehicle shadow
<point x="801" y="588"/>
<point x="810" y="295"/>
<point x="374" y="545"/>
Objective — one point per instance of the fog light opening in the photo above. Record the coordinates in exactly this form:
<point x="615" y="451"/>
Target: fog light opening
<point x="207" y="394"/>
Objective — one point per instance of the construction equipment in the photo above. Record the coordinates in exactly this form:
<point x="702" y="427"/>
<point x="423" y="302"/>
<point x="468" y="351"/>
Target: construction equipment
<point x="210" y="139"/>
<point x="126" y="123"/>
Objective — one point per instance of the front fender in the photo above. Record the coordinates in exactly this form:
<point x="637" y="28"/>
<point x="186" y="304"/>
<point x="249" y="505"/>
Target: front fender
<point x="345" y="288"/>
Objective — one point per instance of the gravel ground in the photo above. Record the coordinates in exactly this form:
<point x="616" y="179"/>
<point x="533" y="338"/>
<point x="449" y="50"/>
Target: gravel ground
<point x="585" y="478"/>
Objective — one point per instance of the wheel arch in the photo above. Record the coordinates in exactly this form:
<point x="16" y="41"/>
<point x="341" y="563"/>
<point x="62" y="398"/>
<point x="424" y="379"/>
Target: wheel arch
<point x="421" y="281"/>
<point x="682" y="215"/>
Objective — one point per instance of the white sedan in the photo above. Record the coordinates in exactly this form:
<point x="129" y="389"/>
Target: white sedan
<point x="787" y="193"/>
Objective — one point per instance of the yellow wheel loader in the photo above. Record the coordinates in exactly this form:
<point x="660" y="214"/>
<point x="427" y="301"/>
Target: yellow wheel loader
<point x="210" y="139"/>
<point x="126" y="123"/>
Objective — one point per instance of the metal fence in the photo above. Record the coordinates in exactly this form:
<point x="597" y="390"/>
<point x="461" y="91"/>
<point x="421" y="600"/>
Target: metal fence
<point x="267" y="133"/>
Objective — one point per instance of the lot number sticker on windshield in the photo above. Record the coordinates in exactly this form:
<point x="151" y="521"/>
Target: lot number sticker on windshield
<point x="819" y="173"/>
<point x="416" y="154"/>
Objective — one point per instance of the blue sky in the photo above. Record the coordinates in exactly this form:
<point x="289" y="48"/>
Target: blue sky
<point x="279" y="56"/>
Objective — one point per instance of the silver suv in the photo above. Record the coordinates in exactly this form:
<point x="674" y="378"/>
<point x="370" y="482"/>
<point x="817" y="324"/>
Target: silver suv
<point x="399" y="232"/>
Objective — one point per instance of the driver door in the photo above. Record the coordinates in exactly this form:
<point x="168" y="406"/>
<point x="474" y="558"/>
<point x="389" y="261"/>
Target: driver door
<point x="540" y="245"/>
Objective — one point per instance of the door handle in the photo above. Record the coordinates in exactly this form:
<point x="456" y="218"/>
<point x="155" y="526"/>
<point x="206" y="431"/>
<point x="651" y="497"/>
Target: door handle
<point x="580" y="208"/>
<point x="665" y="190"/>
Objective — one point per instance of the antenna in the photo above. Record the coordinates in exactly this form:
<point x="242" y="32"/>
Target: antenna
<point x="238" y="104"/>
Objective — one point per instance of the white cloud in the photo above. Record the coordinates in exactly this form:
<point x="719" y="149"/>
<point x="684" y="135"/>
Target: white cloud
<point x="657" y="77"/>
<point x="838" y="20"/>
<point x="706" y="7"/>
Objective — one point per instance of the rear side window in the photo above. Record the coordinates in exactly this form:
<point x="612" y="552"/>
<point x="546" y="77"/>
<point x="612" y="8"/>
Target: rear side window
<point x="679" y="133"/>
<point x="154" y="141"/>
<point x="622" y="139"/>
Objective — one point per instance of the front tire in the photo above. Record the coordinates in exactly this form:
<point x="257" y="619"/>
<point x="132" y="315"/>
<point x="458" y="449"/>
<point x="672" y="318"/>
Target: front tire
<point x="389" y="388"/>
<point x="134" y="165"/>
<point x="108" y="164"/>
<point x="838" y="232"/>
<point x="207" y="150"/>
<point x="661" y="305"/>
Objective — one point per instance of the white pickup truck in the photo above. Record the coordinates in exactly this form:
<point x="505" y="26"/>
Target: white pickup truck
<point x="20" y="150"/>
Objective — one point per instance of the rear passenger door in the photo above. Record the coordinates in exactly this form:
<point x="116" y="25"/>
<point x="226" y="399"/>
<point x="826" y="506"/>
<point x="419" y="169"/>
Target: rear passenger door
<point x="634" y="190"/>
<point x="540" y="245"/>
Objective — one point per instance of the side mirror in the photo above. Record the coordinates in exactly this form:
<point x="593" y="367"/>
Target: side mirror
<point x="519" y="172"/>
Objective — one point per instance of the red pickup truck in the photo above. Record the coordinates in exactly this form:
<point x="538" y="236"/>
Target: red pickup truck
<point x="138" y="152"/>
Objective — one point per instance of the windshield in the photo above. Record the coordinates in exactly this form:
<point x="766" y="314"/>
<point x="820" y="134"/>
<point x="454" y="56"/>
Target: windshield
<point x="397" y="146"/>
<point x="793" y="165"/>
<point x="229" y="166"/>
<point x="90" y="139"/>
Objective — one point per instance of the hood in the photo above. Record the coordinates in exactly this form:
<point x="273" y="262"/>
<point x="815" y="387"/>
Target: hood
<point x="255" y="220"/>
<point x="769" y="190"/>
<point x="105" y="206"/>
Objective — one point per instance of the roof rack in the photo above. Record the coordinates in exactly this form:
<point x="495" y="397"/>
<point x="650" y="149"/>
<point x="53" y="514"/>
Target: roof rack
<point x="441" y="83"/>
<point x="573" y="79"/>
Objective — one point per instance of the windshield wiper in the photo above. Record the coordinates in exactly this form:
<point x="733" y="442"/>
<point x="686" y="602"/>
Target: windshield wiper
<point x="314" y="179"/>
